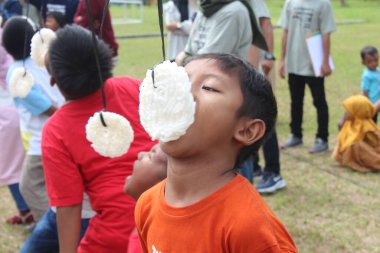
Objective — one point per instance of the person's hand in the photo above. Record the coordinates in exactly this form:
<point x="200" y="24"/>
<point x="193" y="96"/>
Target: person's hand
<point x="282" y="69"/>
<point x="326" y="70"/>
<point x="78" y="20"/>
<point x="173" y="26"/>
<point x="267" y="65"/>
<point x="96" y="25"/>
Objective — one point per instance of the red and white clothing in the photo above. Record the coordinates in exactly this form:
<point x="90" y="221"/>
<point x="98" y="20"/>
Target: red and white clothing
<point x="73" y="167"/>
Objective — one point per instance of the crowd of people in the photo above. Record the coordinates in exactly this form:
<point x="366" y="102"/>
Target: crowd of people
<point x="192" y="192"/>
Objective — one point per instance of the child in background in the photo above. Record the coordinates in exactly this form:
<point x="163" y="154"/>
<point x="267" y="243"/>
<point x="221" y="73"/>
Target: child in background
<point x="69" y="159"/>
<point x="34" y="110"/>
<point x="358" y="145"/>
<point x="371" y="75"/>
<point x="13" y="153"/>
<point x="203" y="205"/>
<point x="96" y="8"/>
<point x="148" y="170"/>
<point x="55" y="20"/>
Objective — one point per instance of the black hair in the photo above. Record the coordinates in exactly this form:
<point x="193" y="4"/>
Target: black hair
<point x="73" y="64"/>
<point x="15" y="31"/>
<point x="368" y="50"/>
<point x="59" y="18"/>
<point x="258" y="99"/>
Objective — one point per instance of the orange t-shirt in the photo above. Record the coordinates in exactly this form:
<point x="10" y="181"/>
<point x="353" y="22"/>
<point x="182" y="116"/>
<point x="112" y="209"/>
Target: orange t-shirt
<point x="233" y="219"/>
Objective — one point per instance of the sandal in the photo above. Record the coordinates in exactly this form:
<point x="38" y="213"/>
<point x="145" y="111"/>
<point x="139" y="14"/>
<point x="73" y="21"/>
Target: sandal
<point x="25" y="217"/>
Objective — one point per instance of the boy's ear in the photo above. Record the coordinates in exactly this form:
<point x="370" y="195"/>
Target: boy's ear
<point x="249" y="131"/>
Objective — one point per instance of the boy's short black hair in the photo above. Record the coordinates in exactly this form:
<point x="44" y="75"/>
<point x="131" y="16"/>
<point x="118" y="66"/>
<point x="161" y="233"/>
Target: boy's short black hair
<point x="368" y="50"/>
<point x="258" y="98"/>
<point x="59" y="17"/>
<point x="72" y="62"/>
<point x="16" y="29"/>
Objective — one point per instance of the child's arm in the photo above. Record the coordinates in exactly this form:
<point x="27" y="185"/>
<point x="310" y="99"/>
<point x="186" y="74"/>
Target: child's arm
<point x="365" y="84"/>
<point x="50" y="111"/>
<point x="37" y="102"/>
<point x="69" y="226"/>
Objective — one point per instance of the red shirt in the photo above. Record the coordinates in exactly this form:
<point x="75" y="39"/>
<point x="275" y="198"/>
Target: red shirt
<point x="96" y="7"/>
<point x="72" y="166"/>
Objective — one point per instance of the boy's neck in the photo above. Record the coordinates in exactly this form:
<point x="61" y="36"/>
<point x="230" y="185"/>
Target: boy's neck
<point x="190" y="180"/>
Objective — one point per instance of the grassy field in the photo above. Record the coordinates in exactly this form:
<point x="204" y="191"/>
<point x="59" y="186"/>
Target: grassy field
<point x="325" y="207"/>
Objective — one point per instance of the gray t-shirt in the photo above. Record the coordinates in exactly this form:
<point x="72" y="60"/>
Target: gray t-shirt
<point x="300" y="18"/>
<point x="226" y="31"/>
<point x="260" y="9"/>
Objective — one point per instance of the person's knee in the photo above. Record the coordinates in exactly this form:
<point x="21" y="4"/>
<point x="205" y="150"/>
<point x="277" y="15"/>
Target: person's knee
<point x="320" y="103"/>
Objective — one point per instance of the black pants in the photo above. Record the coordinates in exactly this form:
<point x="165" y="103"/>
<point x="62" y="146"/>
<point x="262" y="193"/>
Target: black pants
<point x="297" y="92"/>
<point x="271" y="155"/>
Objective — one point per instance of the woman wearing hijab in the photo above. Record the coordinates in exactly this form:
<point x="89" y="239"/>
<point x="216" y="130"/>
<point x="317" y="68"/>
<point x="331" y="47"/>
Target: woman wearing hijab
<point x="358" y="144"/>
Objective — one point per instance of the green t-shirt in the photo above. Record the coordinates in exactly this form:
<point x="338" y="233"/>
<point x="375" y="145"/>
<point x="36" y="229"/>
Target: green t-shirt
<point x="300" y="18"/>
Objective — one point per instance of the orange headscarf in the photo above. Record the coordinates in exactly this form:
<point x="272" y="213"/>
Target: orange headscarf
<point x="361" y="111"/>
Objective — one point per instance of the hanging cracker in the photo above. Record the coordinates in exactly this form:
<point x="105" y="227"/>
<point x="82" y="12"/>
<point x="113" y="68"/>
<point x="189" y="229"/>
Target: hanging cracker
<point x="167" y="106"/>
<point x="40" y="45"/>
<point x="112" y="140"/>
<point x="20" y="82"/>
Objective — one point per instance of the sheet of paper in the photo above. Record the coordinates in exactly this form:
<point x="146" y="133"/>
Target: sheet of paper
<point x="315" y="48"/>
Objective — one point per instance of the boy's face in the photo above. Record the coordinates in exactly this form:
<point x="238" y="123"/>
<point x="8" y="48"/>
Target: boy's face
<point x="51" y="23"/>
<point x="148" y="169"/>
<point x="371" y="61"/>
<point x="218" y="98"/>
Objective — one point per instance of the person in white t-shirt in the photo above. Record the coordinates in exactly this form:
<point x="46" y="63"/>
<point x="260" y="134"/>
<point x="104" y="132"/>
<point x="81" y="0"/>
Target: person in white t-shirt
<point x="179" y="17"/>
<point x="34" y="110"/>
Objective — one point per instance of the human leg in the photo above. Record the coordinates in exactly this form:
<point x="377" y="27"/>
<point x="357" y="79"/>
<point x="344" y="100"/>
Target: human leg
<point x="17" y="197"/>
<point x="317" y="89"/>
<point x="44" y="237"/>
<point x="32" y="186"/>
<point x="245" y="169"/>
<point x="272" y="180"/>
<point x="257" y="170"/>
<point x="25" y="216"/>
<point x="272" y="153"/>
<point x="297" y="91"/>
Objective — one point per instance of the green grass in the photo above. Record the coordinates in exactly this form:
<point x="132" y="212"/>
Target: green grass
<point x="325" y="207"/>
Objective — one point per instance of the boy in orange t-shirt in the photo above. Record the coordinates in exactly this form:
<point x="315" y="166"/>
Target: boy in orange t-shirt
<point x="203" y="205"/>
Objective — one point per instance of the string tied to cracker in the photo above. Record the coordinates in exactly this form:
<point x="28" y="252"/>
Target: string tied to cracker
<point x="109" y="133"/>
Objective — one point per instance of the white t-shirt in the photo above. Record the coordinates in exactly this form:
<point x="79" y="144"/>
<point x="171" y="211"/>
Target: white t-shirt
<point x="31" y="108"/>
<point x="177" y="39"/>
